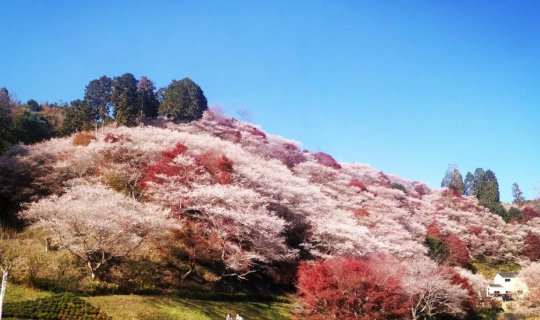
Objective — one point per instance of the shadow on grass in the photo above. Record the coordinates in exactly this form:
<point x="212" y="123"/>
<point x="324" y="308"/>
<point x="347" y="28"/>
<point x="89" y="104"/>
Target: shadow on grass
<point x="178" y="308"/>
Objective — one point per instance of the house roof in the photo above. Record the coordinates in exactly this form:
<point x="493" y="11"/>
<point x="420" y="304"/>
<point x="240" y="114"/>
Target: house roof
<point x="508" y="274"/>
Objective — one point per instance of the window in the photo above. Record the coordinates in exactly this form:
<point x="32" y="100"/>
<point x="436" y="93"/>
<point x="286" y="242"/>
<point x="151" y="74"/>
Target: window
<point x="507" y="280"/>
<point x="496" y="292"/>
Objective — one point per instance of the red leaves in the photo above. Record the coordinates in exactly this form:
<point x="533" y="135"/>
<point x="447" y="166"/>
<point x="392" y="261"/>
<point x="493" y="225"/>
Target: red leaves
<point x="360" y="213"/>
<point x="165" y="166"/>
<point x="358" y="184"/>
<point x="476" y="230"/>
<point x="169" y="156"/>
<point x="531" y="247"/>
<point x="433" y="230"/>
<point x="326" y="160"/>
<point x="219" y="166"/>
<point x="351" y="289"/>
<point x="457" y="251"/>
<point x="529" y="214"/>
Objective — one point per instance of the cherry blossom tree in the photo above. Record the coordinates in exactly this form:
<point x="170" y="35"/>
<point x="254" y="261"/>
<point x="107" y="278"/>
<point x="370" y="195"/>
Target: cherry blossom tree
<point x="97" y="224"/>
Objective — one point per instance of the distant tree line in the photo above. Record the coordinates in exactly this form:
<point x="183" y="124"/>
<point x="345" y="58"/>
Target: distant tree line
<point x="123" y="100"/>
<point x="484" y="186"/>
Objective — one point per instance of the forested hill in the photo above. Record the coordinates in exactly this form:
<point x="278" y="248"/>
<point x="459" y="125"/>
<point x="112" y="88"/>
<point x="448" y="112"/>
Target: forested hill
<point x="225" y="197"/>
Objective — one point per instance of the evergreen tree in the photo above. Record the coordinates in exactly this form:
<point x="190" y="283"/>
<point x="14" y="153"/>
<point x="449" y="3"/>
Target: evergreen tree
<point x="97" y="96"/>
<point x="453" y="179"/>
<point x="30" y="127"/>
<point x="78" y="117"/>
<point x="5" y="120"/>
<point x="469" y="184"/>
<point x="124" y="99"/>
<point x="147" y="98"/>
<point x="33" y="105"/>
<point x="183" y="100"/>
<point x="518" y="195"/>
<point x="489" y="190"/>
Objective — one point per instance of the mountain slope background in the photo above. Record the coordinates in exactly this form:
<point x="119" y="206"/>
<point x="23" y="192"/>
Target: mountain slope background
<point x="218" y="204"/>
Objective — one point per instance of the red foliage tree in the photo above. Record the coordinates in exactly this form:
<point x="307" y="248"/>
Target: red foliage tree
<point x="358" y="184"/>
<point x="470" y="303"/>
<point x="218" y="165"/>
<point x="457" y="251"/>
<point x="326" y="160"/>
<point x="529" y="213"/>
<point x="531" y="247"/>
<point x="351" y="289"/>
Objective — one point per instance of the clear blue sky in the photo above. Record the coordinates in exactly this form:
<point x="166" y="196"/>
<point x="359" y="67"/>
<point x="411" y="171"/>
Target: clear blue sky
<point x="406" y="86"/>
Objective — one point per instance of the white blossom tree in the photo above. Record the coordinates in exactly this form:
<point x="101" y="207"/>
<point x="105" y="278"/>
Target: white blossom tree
<point x="97" y="224"/>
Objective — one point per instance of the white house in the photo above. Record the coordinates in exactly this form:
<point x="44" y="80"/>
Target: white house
<point x="506" y="283"/>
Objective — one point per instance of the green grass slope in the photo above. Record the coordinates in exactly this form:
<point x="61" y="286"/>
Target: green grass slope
<point x="134" y="307"/>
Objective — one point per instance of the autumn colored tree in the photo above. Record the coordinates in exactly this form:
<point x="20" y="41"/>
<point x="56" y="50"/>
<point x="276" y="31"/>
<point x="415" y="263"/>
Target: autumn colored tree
<point x="531" y="247"/>
<point x="354" y="288"/>
<point x="457" y="253"/>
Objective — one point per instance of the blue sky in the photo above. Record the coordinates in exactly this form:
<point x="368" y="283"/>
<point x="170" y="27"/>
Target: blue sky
<point x="406" y="86"/>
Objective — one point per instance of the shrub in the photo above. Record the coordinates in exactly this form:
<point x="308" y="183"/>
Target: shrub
<point x="57" y="307"/>
<point x="83" y="138"/>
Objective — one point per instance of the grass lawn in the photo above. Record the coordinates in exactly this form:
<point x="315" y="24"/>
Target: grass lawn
<point x="16" y="293"/>
<point x="161" y="307"/>
<point x="135" y="307"/>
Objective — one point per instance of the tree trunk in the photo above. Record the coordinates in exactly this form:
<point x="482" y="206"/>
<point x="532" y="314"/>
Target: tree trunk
<point x="3" y="290"/>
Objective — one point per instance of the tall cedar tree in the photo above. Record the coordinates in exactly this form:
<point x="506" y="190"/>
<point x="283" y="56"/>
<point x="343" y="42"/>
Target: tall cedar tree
<point x="517" y="194"/>
<point x="469" y="184"/>
<point x="124" y="99"/>
<point x="453" y="179"/>
<point x="147" y="98"/>
<point x="98" y="97"/>
<point x="183" y="101"/>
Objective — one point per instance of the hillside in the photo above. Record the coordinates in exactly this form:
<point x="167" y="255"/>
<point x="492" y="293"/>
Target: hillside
<point x="221" y="199"/>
